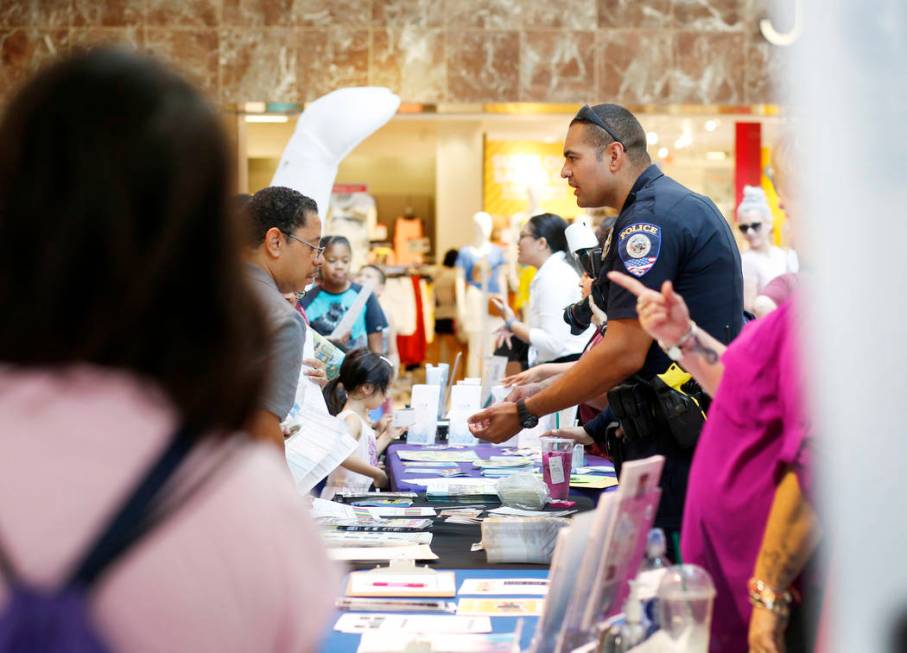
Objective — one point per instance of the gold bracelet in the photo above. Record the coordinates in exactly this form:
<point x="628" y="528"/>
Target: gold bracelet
<point x="763" y="596"/>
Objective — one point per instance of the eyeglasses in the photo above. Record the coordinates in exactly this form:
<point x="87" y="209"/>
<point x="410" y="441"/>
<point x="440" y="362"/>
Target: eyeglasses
<point x="755" y="226"/>
<point x="527" y="234"/>
<point x="318" y="251"/>
<point x="588" y="115"/>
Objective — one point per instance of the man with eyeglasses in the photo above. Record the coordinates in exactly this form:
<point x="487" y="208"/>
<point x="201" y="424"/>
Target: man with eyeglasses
<point x="664" y="232"/>
<point x="283" y="258"/>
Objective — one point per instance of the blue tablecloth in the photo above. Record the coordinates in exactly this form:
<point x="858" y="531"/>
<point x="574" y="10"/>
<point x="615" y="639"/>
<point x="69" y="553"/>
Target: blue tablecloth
<point x="346" y="643"/>
<point x="397" y="473"/>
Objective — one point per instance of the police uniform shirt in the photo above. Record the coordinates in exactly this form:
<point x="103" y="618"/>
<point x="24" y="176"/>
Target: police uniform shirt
<point x="667" y="232"/>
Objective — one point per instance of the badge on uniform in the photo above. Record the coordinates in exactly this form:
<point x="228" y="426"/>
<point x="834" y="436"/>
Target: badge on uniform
<point x="638" y="246"/>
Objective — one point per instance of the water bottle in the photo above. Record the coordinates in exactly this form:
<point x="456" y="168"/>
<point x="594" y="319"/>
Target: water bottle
<point x="656" y="547"/>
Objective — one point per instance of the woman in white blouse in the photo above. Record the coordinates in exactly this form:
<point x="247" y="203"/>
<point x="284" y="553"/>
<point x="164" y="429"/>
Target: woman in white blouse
<point x="542" y="244"/>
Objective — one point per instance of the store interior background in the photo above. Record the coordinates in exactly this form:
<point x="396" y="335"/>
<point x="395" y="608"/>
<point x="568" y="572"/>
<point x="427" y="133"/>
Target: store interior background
<point x="433" y="163"/>
<point x="455" y="64"/>
<point x="471" y="74"/>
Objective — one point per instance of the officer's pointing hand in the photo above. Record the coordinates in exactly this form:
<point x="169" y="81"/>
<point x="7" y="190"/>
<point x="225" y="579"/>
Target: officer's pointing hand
<point x="663" y="315"/>
<point x="496" y="424"/>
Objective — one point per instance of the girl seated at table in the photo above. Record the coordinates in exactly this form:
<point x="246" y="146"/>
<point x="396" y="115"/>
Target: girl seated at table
<point x="361" y="386"/>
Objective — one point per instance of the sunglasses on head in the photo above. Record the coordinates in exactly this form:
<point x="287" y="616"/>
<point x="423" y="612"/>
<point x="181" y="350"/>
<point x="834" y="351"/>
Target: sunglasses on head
<point x="755" y="226"/>
<point x="586" y="114"/>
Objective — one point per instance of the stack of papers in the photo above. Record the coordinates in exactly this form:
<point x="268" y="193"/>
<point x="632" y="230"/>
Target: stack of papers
<point x="419" y="584"/>
<point x="501" y="607"/>
<point x="368" y="553"/>
<point x="463" y="515"/>
<point x="505" y="586"/>
<point x="433" y="455"/>
<point x="420" y="623"/>
<point x="521" y="539"/>
<point x="384" y="642"/>
<point x="428" y="464"/>
<point x="331" y="511"/>
<point x="593" y="481"/>
<point x="502" y="461"/>
<point x="519" y="512"/>
<point x="456" y="486"/>
<point x="357" y="539"/>
<point x="382" y="525"/>
<point x="598" y="469"/>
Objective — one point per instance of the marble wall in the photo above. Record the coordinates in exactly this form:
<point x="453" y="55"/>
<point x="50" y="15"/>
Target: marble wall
<point x="453" y="51"/>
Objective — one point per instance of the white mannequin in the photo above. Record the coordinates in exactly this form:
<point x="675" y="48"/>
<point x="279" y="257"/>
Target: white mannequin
<point x="472" y="303"/>
<point x="328" y="130"/>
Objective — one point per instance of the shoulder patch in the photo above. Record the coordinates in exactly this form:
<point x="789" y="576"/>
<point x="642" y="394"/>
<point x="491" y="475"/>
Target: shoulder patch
<point x="639" y="245"/>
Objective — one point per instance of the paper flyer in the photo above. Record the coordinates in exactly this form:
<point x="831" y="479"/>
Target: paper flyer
<point x="345" y="326"/>
<point x="320" y="443"/>
<point x="381" y="553"/>
<point x="594" y="481"/>
<point x="505" y="586"/>
<point x="370" y="583"/>
<point x="500" y="607"/>
<point x="493" y="370"/>
<point x="446" y="456"/>
<point x="382" y="642"/>
<point x="328" y="353"/>
<point x="424" y="401"/>
<point x="419" y="623"/>
<point x="465" y="400"/>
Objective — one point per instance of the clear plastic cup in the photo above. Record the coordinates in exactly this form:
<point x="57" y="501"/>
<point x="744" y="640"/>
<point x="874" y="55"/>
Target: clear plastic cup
<point x="685" y="598"/>
<point x="557" y="458"/>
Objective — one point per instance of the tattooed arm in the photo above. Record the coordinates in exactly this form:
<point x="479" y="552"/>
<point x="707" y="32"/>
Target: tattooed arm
<point x="664" y="316"/>
<point x="791" y="535"/>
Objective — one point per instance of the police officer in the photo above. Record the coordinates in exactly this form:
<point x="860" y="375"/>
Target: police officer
<point x="664" y="232"/>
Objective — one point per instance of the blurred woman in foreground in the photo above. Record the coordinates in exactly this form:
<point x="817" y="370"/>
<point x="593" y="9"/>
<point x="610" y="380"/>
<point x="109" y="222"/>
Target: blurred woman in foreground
<point x="129" y="340"/>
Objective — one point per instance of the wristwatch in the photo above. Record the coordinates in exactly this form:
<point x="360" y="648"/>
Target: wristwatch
<point x="527" y="419"/>
<point x="675" y="352"/>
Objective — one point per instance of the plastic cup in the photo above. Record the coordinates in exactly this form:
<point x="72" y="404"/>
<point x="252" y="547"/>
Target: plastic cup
<point x="557" y="459"/>
<point x="685" y="598"/>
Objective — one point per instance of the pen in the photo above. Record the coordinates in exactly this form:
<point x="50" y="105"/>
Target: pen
<point x="382" y="583"/>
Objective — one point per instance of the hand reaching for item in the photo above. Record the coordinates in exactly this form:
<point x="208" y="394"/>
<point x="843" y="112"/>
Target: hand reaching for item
<point x="524" y="391"/>
<point x="576" y="433"/>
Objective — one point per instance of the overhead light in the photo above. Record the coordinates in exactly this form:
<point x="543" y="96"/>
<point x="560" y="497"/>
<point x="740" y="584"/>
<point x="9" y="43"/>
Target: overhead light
<point x="716" y="156"/>
<point x="711" y="125"/>
<point x="651" y="138"/>
<point x="684" y="140"/>
<point x="663" y="153"/>
<point x="267" y="118"/>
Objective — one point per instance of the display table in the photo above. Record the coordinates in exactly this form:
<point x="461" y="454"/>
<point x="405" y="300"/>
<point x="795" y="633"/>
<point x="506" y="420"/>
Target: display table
<point x="398" y="475"/>
<point x="348" y="643"/>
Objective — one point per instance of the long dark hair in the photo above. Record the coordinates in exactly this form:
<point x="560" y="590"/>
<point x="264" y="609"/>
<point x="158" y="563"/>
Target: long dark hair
<point x="359" y="367"/>
<point x="552" y="228"/>
<point x="119" y="245"/>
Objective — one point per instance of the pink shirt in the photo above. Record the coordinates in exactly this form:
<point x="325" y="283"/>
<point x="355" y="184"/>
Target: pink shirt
<point x="240" y="567"/>
<point x="756" y="429"/>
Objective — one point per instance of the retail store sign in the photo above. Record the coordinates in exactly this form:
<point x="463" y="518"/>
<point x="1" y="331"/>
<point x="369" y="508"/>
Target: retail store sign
<point x="518" y="172"/>
<point x="783" y="39"/>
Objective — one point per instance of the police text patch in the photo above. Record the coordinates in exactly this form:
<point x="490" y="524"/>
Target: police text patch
<point x="638" y="246"/>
